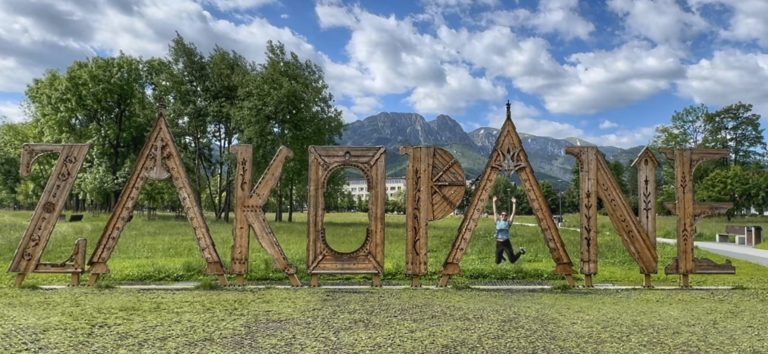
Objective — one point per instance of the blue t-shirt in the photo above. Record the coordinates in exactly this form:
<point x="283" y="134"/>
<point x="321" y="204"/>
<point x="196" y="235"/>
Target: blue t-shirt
<point x="502" y="230"/>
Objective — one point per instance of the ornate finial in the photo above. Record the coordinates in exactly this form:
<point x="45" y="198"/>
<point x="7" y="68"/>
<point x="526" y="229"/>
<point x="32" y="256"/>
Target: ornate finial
<point x="509" y="110"/>
<point x="161" y="106"/>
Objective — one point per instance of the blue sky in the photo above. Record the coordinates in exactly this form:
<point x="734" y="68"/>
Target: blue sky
<point x="605" y="71"/>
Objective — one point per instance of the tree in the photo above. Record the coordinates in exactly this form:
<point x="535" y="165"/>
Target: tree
<point x="102" y="101"/>
<point x="686" y="130"/>
<point x="736" y="128"/>
<point x="288" y="103"/>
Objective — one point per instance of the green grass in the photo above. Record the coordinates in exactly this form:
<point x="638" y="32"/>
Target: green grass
<point x="376" y="320"/>
<point x="164" y="250"/>
<point x="224" y="320"/>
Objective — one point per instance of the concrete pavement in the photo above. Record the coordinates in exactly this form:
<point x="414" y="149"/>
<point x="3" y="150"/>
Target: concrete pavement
<point x="745" y="253"/>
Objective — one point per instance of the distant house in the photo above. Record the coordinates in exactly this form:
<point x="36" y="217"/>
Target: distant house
<point x="359" y="187"/>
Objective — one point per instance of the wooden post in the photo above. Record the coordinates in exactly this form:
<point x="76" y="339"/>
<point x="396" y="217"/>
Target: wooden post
<point x="159" y="159"/>
<point x="686" y="161"/>
<point x="588" y="210"/>
<point x="369" y="258"/>
<point x="646" y="164"/>
<point x="249" y="213"/>
<point x="508" y="155"/>
<point x="31" y="247"/>
<point x="435" y="185"/>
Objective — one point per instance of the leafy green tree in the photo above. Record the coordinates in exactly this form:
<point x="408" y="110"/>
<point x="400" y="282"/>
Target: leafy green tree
<point x="686" y="129"/>
<point x="737" y="128"/>
<point x="288" y="103"/>
<point x="102" y="101"/>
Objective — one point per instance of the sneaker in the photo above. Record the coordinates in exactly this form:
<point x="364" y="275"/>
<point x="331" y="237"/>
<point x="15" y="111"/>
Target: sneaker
<point x="522" y="250"/>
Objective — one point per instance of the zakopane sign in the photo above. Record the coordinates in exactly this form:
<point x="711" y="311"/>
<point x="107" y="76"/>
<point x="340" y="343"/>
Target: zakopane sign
<point x="435" y="186"/>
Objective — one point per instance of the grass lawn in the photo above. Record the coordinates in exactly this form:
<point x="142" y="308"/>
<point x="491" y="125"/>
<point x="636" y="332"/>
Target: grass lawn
<point x="371" y="320"/>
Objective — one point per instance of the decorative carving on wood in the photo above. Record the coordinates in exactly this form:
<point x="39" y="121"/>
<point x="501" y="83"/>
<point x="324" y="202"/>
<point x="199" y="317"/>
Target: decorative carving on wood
<point x="369" y="258"/>
<point x="686" y="161"/>
<point x="32" y="245"/>
<point x="435" y="185"/>
<point x="508" y="156"/>
<point x="596" y="176"/>
<point x="646" y="165"/>
<point x="249" y="212"/>
<point x="159" y="159"/>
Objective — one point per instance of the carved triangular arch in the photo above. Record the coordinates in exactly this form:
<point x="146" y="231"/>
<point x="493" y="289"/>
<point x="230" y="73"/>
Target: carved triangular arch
<point x="158" y="160"/>
<point x="508" y="155"/>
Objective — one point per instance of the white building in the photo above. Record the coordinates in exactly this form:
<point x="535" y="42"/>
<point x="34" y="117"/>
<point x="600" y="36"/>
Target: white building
<point x="359" y="187"/>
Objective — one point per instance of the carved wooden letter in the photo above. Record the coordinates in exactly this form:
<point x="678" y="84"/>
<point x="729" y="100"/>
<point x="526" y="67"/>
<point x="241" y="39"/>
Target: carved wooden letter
<point x="686" y="161"/>
<point x="508" y="155"/>
<point x="593" y="166"/>
<point x="249" y="212"/>
<point x="158" y="160"/>
<point x="32" y="245"/>
<point x="369" y="258"/>
<point x="434" y="187"/>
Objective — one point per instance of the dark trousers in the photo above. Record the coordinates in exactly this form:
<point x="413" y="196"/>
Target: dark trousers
<point x="501" y="247"/>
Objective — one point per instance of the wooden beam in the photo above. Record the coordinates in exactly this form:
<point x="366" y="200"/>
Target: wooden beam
<point x="508" y="155"/>
<point x="46" y="214"/>
<point x="249" y="212"/>
<point x="686" y="161"/>
<point x="369" y="258"/>
<point x="435" y="185"/>
<point x="159" y="159"/>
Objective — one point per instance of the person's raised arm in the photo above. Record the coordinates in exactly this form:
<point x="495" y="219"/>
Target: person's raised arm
<point x="514" y="207"/>
<point x="495" y="216"/>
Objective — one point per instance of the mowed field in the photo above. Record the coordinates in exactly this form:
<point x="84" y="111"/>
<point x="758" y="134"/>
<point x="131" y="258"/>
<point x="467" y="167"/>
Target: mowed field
<point x="457" y="319"/>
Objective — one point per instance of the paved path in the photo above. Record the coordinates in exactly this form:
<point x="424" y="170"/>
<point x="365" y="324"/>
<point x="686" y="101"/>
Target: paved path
<point x="746" y="253"/>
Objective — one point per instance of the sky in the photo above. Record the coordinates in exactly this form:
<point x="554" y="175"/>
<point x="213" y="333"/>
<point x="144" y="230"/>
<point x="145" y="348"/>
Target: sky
<point x="607" y="71"/>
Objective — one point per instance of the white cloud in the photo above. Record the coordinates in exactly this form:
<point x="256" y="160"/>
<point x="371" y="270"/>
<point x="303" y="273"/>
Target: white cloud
<point x="728" y="77"/>
<point x="459" y="90"/>
<point x="228" y="5"/>
<point x="11" y="111"/>
<point x="347" y="114"/>
<point x="624" y="138"/>
<point x="552" y="16"/>
<point x="749" y="21"/>
<point x="607" y="124"/>
<point x="36" y="36"/>
<point x="662" y="21"/>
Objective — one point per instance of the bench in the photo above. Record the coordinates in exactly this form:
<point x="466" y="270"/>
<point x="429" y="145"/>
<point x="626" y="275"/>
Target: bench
<point x="747" y="235"/>
<point x="75" y="217"/>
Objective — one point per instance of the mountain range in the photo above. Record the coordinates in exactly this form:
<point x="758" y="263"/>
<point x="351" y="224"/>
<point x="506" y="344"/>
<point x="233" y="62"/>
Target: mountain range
<point x="392" y="130"/>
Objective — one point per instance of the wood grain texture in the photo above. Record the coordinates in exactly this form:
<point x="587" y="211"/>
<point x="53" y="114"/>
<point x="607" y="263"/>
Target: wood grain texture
<point x="159" y="159"/>
<point x="46" y="214"/>
<point x="249" y="212"/>
<point x="508" y="156"/>
<point x="435" y="184"/>
<point x="633" y="235"/>
<point x="369" y="258"/>
<point x="686" y="161"/>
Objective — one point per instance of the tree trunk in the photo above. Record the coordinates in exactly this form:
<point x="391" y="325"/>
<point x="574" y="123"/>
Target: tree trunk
<point x="279" y="202"/>
<point x="290" y="202"/>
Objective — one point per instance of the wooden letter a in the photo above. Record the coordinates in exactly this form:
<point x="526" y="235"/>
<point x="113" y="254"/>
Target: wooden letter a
<point x="158" y="160"/>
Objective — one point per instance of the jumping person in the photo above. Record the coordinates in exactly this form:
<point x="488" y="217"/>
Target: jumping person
<point x="503" y="224"/>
